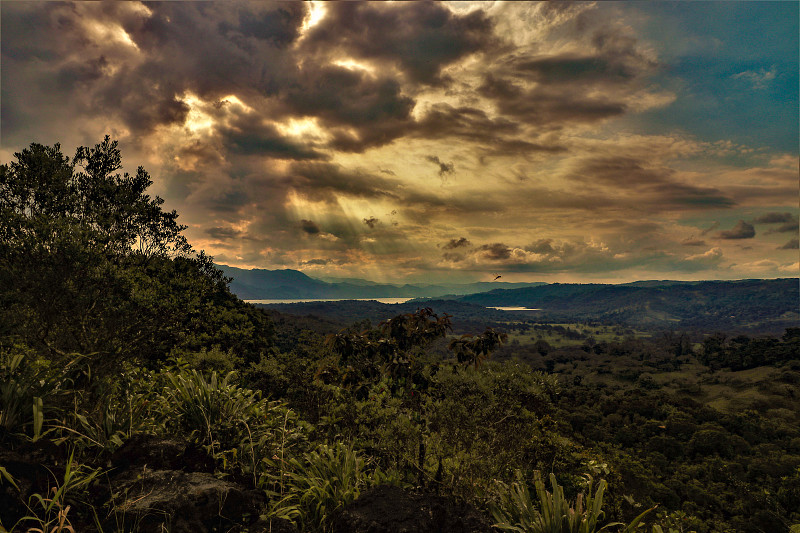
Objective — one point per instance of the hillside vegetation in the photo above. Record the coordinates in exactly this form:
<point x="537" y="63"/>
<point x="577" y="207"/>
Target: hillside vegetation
<point x="755" y="305"/>
<point x="137" y="393"/>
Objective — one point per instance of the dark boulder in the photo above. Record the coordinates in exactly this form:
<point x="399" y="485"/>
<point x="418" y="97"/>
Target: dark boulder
<point x="388" y="509"/>
<point x="176" y="501"/>
<point x="159" y="453"/>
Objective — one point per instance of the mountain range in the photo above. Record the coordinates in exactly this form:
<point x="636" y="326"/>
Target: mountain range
<point x="261" y="284"/>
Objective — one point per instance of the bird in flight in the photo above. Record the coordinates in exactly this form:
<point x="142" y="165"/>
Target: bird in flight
<point x="498" y="277"/>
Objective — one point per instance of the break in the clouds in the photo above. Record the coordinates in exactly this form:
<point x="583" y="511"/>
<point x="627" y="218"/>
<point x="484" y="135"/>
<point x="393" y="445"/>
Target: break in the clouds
<point x="424" y="140"/>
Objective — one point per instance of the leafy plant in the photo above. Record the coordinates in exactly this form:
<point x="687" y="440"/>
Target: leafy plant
<point x="319" y="484"/>
<point x="25" y="383"/>
<point x="49" y="512"/>
<point x="238" y="427"/>
<point x="516" y="510"/>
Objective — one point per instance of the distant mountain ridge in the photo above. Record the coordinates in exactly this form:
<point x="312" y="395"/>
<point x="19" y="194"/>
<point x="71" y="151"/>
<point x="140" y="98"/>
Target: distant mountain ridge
<point x="729" y="304"/>
<point x="288" y="284"/>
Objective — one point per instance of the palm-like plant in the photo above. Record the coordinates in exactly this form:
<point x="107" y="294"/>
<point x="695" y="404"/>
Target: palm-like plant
<point x="320" y="483"/>
<point x="517" y="511"/>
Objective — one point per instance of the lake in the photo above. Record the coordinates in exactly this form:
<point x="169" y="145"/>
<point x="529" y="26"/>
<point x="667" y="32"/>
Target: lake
<point x="381" y="300"/>
<point x="514" y="308"/>
<point x="311" y="300"/>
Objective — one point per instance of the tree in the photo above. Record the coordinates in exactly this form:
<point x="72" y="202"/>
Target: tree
<point x="472" y="350"/>
<point x="90" y="263"/>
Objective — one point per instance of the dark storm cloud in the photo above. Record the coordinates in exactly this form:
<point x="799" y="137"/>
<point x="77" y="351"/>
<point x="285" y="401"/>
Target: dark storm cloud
<point x="444" y="168"/>
<point x="81" y="72"/>
<point x="785" y="228"/>
<point x="453" y="257"/>
<point x="571" y="68"/>
<point x="443" y="121"/>
<point x="694" y="242"/>
<point x="651" y="185"/>
<point x="496" y="135"/>
<point x="742" y="230"/>
<point x="775" y="218"/>
<point x="495" y="252"/>
<point x="371" y="222"/>
<point x="788" y="222"/>
<point x="223" y="233"/>
<point x="250" y="135"/>
<point x="215" y="47"/>
<point x="208" y="49"/>
<point x="462" y="242"/>
<point x="789" y="227"/>
<point x="587" y="86"/>
<point x="229" y="201"/>
<point x="418" y="38"/>
<point x="551" y="107"/>
<point x="317" y="262"/>
<point x="280" y="27"/>
<point x="322" y="181"/>
<point x="793" y="244"/>
<point x="319" y="180"/>
<point x="352" y="99"/>
<point x="309" y="226"/>
<point x="542" y="246"/>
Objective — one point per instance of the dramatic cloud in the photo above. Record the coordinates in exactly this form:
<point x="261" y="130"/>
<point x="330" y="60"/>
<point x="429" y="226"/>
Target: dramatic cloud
<point x="305" y="135"/>
<point x="711" y="228"/>
<point x="775" y="218"/>
<point x="461" y="242"/>
<point x="742" y="230"/>
<point x="309" y="226"/>
<point x="788" y="222"/>
<point x="652" y="184"/>
<point x="495" y="252"/>
<point x="444" y="168"/>
<point x="791" y="245"/>
<point x="417" y="38"/>
<point x="694" y="242"/>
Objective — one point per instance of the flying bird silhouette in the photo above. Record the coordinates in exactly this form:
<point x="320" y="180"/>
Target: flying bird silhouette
<point x="498" y="277"/>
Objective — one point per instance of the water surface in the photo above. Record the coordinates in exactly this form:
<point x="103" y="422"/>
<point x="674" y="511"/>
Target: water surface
<point x="311" y="300"/>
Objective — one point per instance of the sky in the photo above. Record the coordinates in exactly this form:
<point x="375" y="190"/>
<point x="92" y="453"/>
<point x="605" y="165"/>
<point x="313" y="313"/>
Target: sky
<point x="416" y="141"/>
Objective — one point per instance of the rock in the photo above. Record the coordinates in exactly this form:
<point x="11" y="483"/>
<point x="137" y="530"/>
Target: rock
<point x="388" y="509"/>
<point x="183" y="502"/>
<point x="158" y="453"/>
